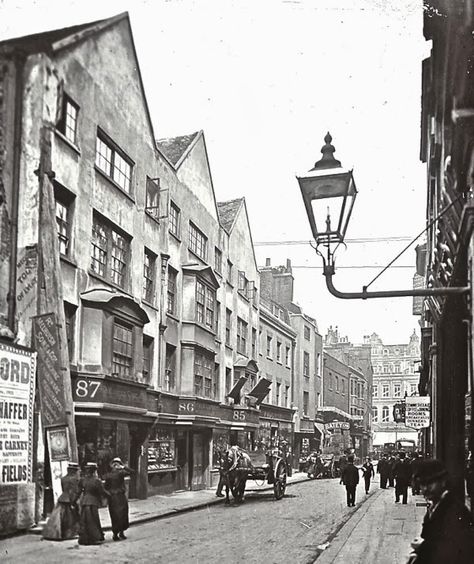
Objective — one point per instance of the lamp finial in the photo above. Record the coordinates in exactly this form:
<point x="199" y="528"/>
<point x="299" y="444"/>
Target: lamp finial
<point x="327" y="160"/>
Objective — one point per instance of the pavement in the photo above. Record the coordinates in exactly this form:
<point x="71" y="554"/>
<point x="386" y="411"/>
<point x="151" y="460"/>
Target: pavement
<point x="379" y="531"/>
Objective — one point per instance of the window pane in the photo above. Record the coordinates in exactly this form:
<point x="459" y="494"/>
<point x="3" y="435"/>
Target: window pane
<point x="104" y="156"/>
<point x="70" y="121"/>
<point x="119" y="256"/>
<point x="62" y="226"/>
<point x="99" y="249"/>
<point x="122" y="351"/>
<point x="122" y="172"/>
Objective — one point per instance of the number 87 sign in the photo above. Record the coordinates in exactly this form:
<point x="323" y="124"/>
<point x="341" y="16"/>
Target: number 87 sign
<point x="85" y="389"/>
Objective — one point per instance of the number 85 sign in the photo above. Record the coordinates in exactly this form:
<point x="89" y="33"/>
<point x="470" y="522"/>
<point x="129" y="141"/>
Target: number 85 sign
<point x="85" y="389"/>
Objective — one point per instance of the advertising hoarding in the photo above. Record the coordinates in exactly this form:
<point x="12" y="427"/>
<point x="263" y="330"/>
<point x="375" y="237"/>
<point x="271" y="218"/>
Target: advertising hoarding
<point x="17" y="389"/>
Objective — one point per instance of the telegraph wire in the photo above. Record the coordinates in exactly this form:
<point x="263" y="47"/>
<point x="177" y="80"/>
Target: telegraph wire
<point x="353" y="241"/>
<point x="352" y="266"/>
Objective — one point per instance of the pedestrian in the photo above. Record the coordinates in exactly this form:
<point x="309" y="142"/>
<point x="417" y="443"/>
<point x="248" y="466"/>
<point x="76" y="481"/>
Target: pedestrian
<point x="63" y="523"/>
<point x="222" y="475"/>
<point x="415" y="462"/>
<point x="391" y="467"/>
<point x="342" y="463"/>
<point x="92" y="491"/>
<point x="447" y="533"/>
<point x="368" y="473"/>
<point x="383" y="470"/>
<point x="118" y="503"/>
<point x="402" y="475"/>
<point x="350" y="478"/>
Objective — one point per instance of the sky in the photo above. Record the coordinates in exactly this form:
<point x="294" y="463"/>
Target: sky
<point x="265" y="80"/>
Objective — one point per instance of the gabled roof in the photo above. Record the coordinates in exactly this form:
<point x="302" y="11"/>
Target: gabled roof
<point x="228" y="212"/>
<point x="176" y="148"/>
<point x="50" y="41"/>
<point x="53" y="41"/>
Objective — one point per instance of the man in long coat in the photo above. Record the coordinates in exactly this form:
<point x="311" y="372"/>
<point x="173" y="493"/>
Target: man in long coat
<point x="383" y="470"/>
<point x="350" y="478"/>
<point x="402" y="474"/>
<point x="447" y="534"/>
<point x="368" y="472"/>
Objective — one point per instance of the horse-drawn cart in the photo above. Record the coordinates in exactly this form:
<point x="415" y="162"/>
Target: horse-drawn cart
<point x="240" y="466"/>
<point x="270" y="468"/>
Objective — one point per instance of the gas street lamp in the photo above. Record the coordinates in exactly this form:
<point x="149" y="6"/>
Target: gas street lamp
<point x="329" y="193"/>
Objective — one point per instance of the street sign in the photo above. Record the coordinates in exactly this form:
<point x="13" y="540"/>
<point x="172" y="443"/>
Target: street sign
<point x="417" y="414"/>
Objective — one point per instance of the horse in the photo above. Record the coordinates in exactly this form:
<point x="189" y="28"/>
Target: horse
<point x="236" y="465"/>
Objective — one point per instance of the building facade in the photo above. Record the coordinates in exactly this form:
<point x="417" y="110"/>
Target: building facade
<point x="277" y="284"/>
<point x="82" y="172"/>
<point x="358" y="362"/>
<point x="152" y="283"/>
<point x="395" y="377"/>
<point x="447" y="133"/>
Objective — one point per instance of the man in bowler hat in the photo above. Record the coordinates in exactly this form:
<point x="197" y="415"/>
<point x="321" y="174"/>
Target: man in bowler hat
<point x="350" y="478"/>
<point x="447" y="533"/>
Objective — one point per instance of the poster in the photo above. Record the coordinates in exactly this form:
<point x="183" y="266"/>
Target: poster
<point x="17" y="388"/>
<point x="50" y="376"/>
<point x="58" y="444"/>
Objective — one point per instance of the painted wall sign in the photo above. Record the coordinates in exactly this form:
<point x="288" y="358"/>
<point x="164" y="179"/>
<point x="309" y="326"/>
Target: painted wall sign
<point x="417" y="412"/>
<point x="17" y="389"/>
<point x="107" y="390"/>
<point x="50" y="376"/>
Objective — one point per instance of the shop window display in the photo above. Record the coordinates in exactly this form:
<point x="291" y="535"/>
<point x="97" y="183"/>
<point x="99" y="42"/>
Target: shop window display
<point x="162" y="451"/>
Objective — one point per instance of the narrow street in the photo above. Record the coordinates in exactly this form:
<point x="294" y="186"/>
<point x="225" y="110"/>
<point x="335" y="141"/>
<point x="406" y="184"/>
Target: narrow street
<point x="260" y="530"/>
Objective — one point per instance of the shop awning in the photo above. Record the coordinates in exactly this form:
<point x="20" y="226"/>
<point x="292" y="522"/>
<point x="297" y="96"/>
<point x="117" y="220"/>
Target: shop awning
<point x="319" y="428"/>
<point x="235" y="392"/>
<point x="261" y="390"/>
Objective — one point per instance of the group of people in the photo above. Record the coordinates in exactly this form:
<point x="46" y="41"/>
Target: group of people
<point x="400" y="472"/>
<point x="350" y="477"/>
<point x="77" y="510"/>
<point x="400" y="475"/>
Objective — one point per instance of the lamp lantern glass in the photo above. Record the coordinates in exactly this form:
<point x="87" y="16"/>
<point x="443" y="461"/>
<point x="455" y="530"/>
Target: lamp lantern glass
<point x="329" y="194"/>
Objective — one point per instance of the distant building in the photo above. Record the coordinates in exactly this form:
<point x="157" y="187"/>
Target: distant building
<point x="277" y="284"/>
<point x="358" y="361"/>
<point x="395" y="377"/>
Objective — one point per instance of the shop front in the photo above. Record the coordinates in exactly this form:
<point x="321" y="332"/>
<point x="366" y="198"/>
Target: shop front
<point x="195" y="423"/>
<point x="337" y="439"/>
<point x="238" y="426"/>
<point x="113" y="418"/>
<point x="307" y="440"/>
<point x="275" y="432"/>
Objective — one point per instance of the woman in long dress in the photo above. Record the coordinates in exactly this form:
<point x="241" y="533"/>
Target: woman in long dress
<point x="63" y="522"/>
<point x="92" y="490"/>
<point x="118" y="503"/>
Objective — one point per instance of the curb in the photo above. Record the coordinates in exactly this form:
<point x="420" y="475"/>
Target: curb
<point x="199" y="505"/>
<point x="345" y="528"/>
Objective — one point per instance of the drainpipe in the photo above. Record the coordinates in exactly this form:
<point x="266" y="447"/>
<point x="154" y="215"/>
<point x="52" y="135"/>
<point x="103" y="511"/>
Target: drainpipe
<point x="19" y="59"/>
<point x="164" y="258"/>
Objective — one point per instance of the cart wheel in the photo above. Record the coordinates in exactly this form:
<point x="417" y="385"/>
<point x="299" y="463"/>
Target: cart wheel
<point x="279" y="485"/>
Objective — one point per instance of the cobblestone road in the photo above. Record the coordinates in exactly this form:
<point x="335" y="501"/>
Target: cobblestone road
<point x="260" y="530"/>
